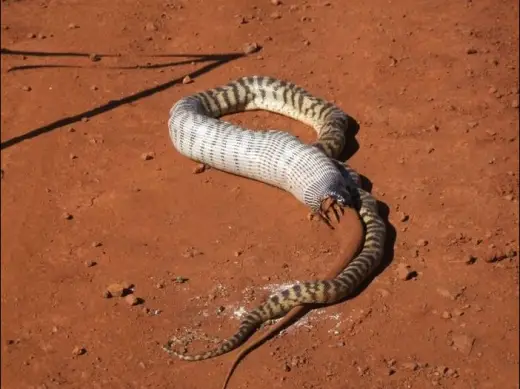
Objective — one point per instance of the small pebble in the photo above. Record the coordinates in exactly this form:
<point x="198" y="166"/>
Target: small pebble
<point x="471" y="260"/>
<point x="26" y="88"/>
<point x="131" y="300"/>
<point x="404" y="272"/>
<point x="187" y="80"/>
<point x="457" y="312"/>
<point x="471" y="51"/>
<point x="446" y="315"/>
<point x="410" y="366"/>
<point x="159" y="285"/>
<point x="84" y="119"/>
<point x="150" y="26"/>
<point x="276" y="15"/>
<point x="237" y="253"/>
<point x="180" y="280"/>
<point x="73" y="156"/>
<point x="31" y="35"/>
<point x="96" y="244"/>
<point x="200" y="168"/>
<point x="403" y="217"/>
<point x="422" y="242"/>
<point x="77" y="351"/>
<point x="90" y="263"/>
<point x="492" y="90"/>
<point x="463" y="343"/>
<point x="94" y="88"/>
<point x="148" y="156"/>
<point x="514" y="104"/>
<point x="117" y="289"/>
<point x="276" y="2"/>
<point x="67" y="216"/>
<point x="72" y="26"/>
<point x="250" y="48"/>
<point x="94" y="57"/>
<point x="41" y="36"/>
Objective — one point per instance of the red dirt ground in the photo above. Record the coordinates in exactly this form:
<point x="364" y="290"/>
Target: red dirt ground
<point x="434" y="87"/>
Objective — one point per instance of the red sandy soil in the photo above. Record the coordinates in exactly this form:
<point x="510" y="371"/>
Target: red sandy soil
<point x="434" y="88"/>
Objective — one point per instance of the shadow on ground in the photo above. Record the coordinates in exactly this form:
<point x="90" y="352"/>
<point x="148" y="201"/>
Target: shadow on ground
<point x="215" y="59"/>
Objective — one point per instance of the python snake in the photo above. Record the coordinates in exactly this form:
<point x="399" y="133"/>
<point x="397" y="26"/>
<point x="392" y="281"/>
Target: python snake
<point x="309" y="172"/>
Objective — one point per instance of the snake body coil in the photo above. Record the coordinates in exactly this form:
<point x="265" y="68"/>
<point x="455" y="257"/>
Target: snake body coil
<point x="309" y="172"/>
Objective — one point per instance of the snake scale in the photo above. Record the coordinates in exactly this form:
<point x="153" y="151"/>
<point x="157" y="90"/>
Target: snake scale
<point x="309" y="172"/>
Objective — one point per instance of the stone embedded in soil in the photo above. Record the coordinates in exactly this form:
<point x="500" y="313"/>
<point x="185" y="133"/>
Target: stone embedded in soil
<point x="276" y="2"/>
<point x="77" y="351"/>
<point x="422" y="243"/>
<point x="514" y="104"/>
<point x="250" y="48"/>
<point x="31" y="35"/>
<point x="148" y="156"/>
<point x="150" y="26"/>
<point x="446" y="315"/>
<point x="187" y="80"/>
<point x="404" y="272"/>
<point x="117" y="290"/>
<point x="276" y="15"/>
<point x="180" y="280"/>
<point x="67" y="216"/>
<point x="471" y="260"/>
<point x="403" y="217"/>
<point x="463" y="343"/>
<point x="94" y="57"/>
<point x="131" y="299"/>
<point x="72" y="26"/>
<point x="412" y="366"/>
<point x="26" y="88"/>
<point x="471" y="50"/>
<point x="90" y="263"/>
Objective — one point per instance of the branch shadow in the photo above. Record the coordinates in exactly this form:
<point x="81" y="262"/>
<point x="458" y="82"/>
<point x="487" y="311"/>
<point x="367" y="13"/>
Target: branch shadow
<point x="219" y="59"/>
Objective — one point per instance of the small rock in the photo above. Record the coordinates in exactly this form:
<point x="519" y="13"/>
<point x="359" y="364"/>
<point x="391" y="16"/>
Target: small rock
<point x="306" y="43"/>
<point x="237" y="253"/>
<point x="276" y="15"/>
<point x="446" y="315"/>
<point x="96" y="244"/>
<point x="67" y="216"/>
<point x="250" y="48"/>
<point x="514" y="104"/>
<point x="404" y="272"/>
<point x="187" y="80"/>
<point x="422" y="243"/>
<point x="73" y="156"/>
<point x="181" y="280"/>
<point x="276" y="2"/>
<point x="94" y="88"/>
<point x="200" y="168"/>
<point x="472" y="124"/>
<point x="492" y="90"/>
<point x="131" y="300"/>
<point x="412" y="366"/>
<point x="403" y="217"/>
<point x="90" y="263"/>
<point x="94" y="57"/>
<point x="463" y="343"/>
<point x="220" y="309"/>
<point x="71" y="129"/>
<point x="494" y="255"/>
<point x="41" y="36"/>
<point x="77" y="351"/>
<point x="31" y="35"/>
<point x="150" y="26"/>
<point x="84" y="119"/>
<point x="471" y="260"/>
<point x="471" y="51"/>
<point x="117" y="290"/>
<point x="509" y="197"/>
<point x="446" y="293"/>
<point x="148" y="156"/>
<point x="72" y="26"/>
<point x="26" y="88"/>
<point x="390" y="371"/>
<point x="457" y="312"/>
